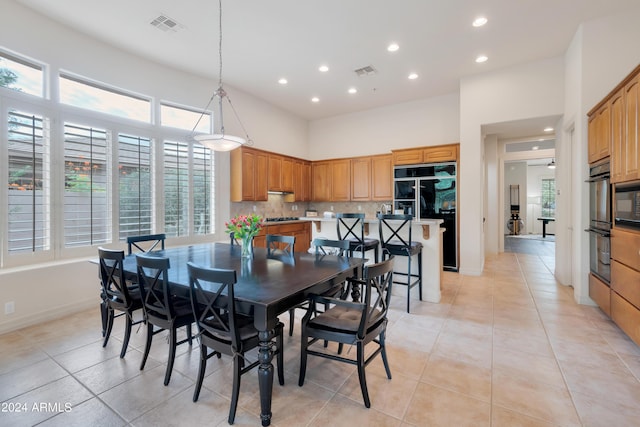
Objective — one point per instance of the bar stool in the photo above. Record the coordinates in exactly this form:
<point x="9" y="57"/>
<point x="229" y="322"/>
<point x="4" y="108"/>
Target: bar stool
<point x="396" y="244"/>
<point x="350" y="227"/>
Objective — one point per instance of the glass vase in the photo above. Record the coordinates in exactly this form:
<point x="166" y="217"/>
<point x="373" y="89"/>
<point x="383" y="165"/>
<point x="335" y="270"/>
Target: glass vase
<point x="247" y="246"/>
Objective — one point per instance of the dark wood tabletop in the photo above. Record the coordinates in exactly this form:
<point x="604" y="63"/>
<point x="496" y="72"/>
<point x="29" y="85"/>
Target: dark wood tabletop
<point x="268" y="286"/>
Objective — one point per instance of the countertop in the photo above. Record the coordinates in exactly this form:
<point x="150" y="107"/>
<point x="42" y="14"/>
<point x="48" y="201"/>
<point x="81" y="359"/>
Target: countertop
<point x="371" y="220"/>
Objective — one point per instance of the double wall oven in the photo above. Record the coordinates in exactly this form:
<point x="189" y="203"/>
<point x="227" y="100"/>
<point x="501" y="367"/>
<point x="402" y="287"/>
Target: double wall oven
<point x="600" y="221"/>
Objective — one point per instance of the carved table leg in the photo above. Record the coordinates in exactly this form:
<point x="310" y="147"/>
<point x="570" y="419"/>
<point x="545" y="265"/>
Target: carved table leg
<point x="265" y="375"/>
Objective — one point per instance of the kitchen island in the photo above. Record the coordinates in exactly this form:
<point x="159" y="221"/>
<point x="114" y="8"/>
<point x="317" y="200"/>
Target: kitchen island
<point x="427" y="231"/>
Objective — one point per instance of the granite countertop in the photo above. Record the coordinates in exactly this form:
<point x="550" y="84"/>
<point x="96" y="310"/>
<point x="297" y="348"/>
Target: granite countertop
<point x="372" y="220"/>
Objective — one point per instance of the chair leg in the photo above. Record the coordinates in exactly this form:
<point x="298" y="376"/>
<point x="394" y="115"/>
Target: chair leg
<point x="172" y="354"/>
<point x="303" y="359"/>
<point x="104" y="316"/>
<point x="383" y="353"/>
<point x="408" y="282"/>
<point x="109" y="326"/>
<point x="201" y="371"/>
<point x="127" y="334"/>
<point x="420" y="274"/>
<point x="361" y="375"/>
<point x="280" y="357"/>
<point x="237" y="367"/>
<point x="291" y="320"/>
<point x="189" y="335"/>
<point x="147" y="346"/>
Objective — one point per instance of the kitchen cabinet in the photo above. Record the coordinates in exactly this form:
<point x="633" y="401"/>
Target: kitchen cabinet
<point x="410" y="156"/>
<point x="331" y="180"/>
<point x="440" y="153"/>
<point x="301" y="182"/>
<point x="381" y="178"/>
<point x="287" y="175"/>
<point x="599" y="128"/>
<point x="600" y="293"/>
<point x="300" y="229"/>
<point x="321" y="181"/>
<point x="361" y="179"/>
<point x="248" y="167"/>
<point x="625" y="281"/>
<point x="631" y="151"/>
<point x="274" y="178"/>
<point x="616" y="107"/>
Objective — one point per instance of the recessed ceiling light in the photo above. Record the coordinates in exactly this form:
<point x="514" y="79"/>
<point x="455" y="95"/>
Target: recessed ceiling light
<point x="413" y="76"/>
<point x="479" y="21"/>
<point x="548" y="129"/>
<point x="315" y="99"/>
<point x="393" y="47"/>
<point x="482" y="58"/>
<point x="535" y="147"/>
<point x="323" y="68"/>
<point x="283" y="81"/>
<point x="352" y="90"/>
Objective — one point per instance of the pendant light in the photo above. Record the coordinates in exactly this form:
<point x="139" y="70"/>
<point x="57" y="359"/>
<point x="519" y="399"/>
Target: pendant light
<point x="221" y="141"/>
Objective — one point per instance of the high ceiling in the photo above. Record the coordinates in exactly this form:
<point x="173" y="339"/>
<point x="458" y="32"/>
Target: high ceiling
<point x="264" y="41"/>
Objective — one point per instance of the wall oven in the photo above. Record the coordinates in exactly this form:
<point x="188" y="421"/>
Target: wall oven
<point x="600" y="221"/>
<point x="627" y="205"/>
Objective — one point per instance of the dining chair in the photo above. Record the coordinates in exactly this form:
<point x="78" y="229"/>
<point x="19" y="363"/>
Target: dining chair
<point x="117" y="295"/>
<point x="145" y="243"/>
<point x="351" y="323"/>
<point x="161" y="307"/>
<point x="280" y="245"/>
<point x="396" y="239"/>
<point x="323" y="247"/>
<point x="222" y="329"/>
<point x="350" y="227"/>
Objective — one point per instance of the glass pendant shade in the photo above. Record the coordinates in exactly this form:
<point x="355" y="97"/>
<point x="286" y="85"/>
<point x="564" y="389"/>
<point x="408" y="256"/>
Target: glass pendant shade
<point x="220" y="142"/>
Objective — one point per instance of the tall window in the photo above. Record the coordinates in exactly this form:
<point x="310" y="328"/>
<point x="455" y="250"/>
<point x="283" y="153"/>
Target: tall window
<point x="87" y="202"/>
<point x="135" y="186"/>
<point x="176" y="188"/>
<point x="29" y="217"/>
<point x="549" y="198"/>
<point x="202" y="190"/>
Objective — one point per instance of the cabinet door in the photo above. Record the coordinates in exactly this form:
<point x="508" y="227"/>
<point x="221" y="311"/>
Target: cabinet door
<point x="340" y="180"/>
<point x="407" y="157"/>
<point x="287" y="174"/>
<point x="631" y="152"/>
<point x="260" y="172"/>
<point x="592" y="137"/>
<point x="321" y="181"/>
<point x="381" y="178"/>
<point x="599" y="134"/>
<point x="248" y="169"/>
<point x="616" y="107"/>
<point x="275" y="173"/>
<point x="306" y="182"/>
<point x="361" y="179"/>
<point x="441" y="153"/>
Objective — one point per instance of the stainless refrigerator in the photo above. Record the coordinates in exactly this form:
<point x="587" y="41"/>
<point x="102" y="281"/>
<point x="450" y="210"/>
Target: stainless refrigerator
<point x="429" y="192"/>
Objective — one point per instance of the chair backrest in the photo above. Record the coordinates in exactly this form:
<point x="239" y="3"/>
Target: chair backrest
<point x="114" y="286"/>
<point x="280" y="245"/>
<point x="145" y="243"/>
<point x="331" y="247"/>
<point x="214" y="310"/>
<point x="232" y="239"/>
<point x="390" y="228"/>
<point x="376" y="294"/>
<point x="153" y="272"/>
<point x="350" y="226"/>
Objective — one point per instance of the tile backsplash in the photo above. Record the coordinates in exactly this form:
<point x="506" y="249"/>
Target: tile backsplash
<point x="275" y="206"/>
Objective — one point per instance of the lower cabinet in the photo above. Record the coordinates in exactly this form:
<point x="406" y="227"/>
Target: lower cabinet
<point x="301" y="230"/>
<point x="626" y="316"/>
<point x="600" y="293"/>
<point x="625" y="281"/>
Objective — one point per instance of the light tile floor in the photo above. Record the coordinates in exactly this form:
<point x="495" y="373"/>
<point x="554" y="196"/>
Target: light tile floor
<point x="510" y="348"/>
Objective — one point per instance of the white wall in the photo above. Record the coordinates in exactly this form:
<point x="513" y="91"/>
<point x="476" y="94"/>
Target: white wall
<point x="525" y="91"/>
<point x="492" y="195"/>
<point x="432" y="121"/>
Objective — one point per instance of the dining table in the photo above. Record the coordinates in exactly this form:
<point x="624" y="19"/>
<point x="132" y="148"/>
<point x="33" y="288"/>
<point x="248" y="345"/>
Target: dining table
<point x="267" y="286"/>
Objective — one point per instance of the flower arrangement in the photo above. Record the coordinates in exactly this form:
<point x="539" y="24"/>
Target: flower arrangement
<point x="245" y="227"/>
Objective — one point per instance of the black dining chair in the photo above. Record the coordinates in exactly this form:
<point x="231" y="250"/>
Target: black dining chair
<point x="278" y="245"/>
<point x="350" y="227"/>
<point x="224" y="330"/>
<point x="323" y="247"/>
<point x="145" y="243"/>
<point x="396" y="239"/>
<point x="161" y="307"/>
<point x="117" y="295"/>
<point x="351" y="323"/>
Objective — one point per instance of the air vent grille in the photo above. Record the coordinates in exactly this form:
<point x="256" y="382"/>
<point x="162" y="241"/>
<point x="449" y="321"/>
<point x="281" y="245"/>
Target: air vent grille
<point x="365" y="71"/>
<point x="164" y="23"/>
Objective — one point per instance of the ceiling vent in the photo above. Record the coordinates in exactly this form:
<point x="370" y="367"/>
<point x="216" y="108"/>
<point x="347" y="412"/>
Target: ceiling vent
<point x="365" y="71"/>
<point x="164" y="23"/>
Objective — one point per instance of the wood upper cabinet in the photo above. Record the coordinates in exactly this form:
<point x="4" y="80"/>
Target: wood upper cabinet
<point x="340" y="180"/>
<point x="440" y="153"/>
<point x="599" y="133"/>
<point x="382" y="178"/>
<point x="321" y="181"/>
<point x="411" y="156"/>
<point x="301" y="181"/>
<point x="631" y="151"/>
<point x="616" y="108"/>
<point x="247" y="166"/>
<point x="287" y="174"/>
<point x="275" y="173"/>
<point x="361" y="179"/>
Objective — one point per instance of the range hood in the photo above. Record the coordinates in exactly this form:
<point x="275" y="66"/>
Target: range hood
<point x="283" y="193"/>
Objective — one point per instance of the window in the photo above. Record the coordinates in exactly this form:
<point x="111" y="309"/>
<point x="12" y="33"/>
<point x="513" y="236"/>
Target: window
<point x="29" y="219"/>
<point x="87" y="206"/>
<point x="548" y="198"/>
<point x="92" y="96"/>
<point x="176" y="188"/>
<point x="202" y="190"/>
<point x="183" y="118"/>
<point x="135" y="186"/>
<point x="21" y="75"/>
